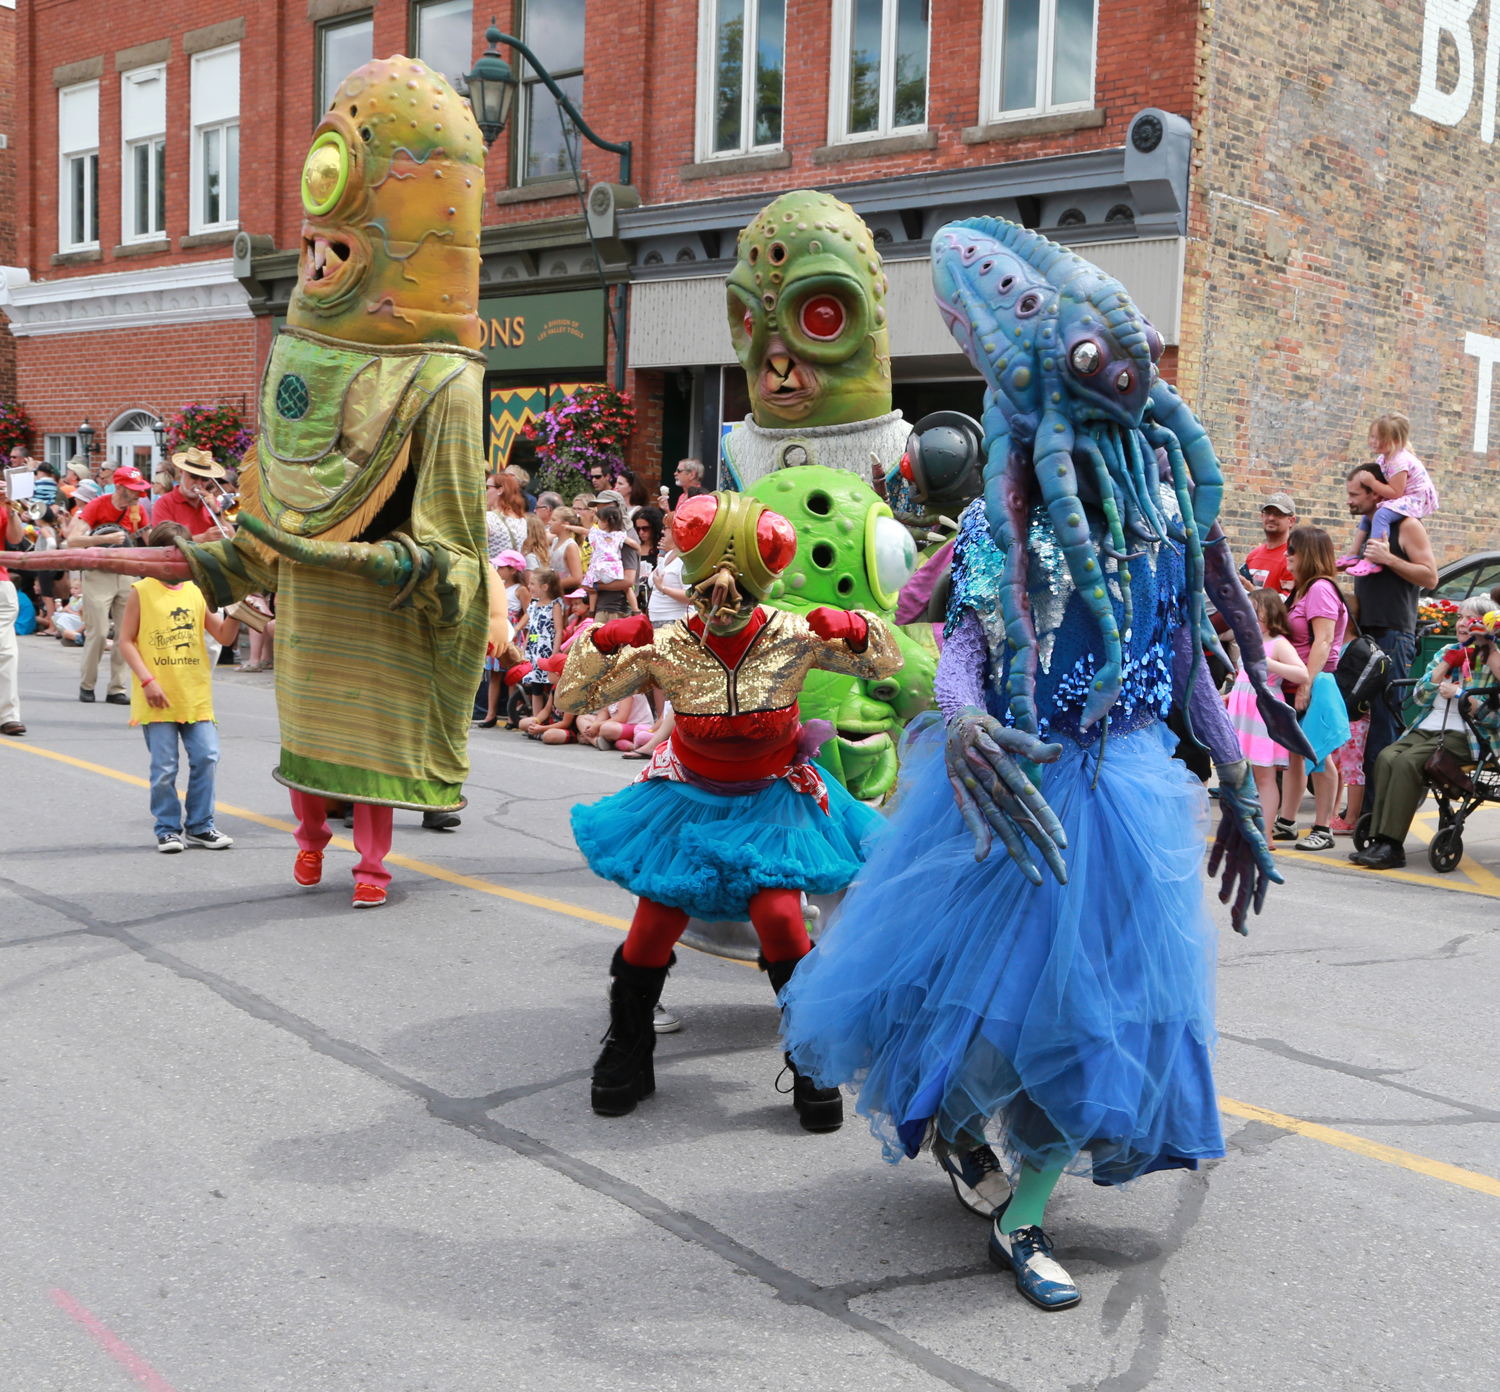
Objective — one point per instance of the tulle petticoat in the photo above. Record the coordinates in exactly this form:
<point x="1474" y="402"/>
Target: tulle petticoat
<point x="694" y="850"/>
<point x="1068" y="1019"/>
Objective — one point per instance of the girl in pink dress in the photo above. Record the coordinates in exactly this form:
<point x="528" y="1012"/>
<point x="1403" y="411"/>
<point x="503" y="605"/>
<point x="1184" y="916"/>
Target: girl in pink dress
<point x="1408" y="489"/>
<point x="1264" y="754"/>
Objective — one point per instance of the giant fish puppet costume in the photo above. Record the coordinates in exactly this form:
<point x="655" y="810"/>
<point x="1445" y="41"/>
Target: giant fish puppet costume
<point x="362" y="506"/>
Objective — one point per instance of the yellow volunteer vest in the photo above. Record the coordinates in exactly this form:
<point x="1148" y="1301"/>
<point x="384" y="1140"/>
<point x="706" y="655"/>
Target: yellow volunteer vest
<point x="171" y="642"/>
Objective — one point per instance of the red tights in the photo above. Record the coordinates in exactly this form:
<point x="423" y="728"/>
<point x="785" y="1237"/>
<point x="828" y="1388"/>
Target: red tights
<point x="775" y="913"/>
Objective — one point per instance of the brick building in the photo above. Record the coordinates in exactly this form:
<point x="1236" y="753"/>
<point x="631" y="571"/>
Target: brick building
<point x="1300" y="203"/>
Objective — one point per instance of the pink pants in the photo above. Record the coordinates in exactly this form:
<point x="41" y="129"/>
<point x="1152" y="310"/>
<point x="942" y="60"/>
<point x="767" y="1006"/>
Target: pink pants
<point x="372" y="835"/>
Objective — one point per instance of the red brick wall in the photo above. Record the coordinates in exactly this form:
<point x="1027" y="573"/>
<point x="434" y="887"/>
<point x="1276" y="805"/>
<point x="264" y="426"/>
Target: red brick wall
<point x="65" y="377"/>
<point x="640" y="83"/>
<point x="8" y="187"/>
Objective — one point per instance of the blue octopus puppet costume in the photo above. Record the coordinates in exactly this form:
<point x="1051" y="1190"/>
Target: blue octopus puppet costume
<point x="1071" y="1012"/>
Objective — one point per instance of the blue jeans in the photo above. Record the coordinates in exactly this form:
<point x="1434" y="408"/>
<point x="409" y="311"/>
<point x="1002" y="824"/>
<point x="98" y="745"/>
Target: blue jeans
<point x="1385" y="728"/>
<point x="201" y="740"/>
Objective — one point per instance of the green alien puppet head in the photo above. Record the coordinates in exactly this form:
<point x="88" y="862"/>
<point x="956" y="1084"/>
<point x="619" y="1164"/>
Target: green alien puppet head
<point x="851" y="554"/>
<point x="807" y="314"/>
<point x="392" y="193"/>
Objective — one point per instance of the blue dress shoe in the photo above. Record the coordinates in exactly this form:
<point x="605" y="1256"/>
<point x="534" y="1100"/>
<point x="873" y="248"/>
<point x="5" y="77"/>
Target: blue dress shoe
<point x="1028" y="1252"/>
<point x="979" y="1182"/>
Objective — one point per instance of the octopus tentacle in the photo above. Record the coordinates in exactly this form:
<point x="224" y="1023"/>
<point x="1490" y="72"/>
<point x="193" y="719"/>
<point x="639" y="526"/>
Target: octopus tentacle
<point x="1148" y="527"/>
<point x="1172" y="413"/>
<point x="1005" y="511"/>
<point x="1053" y="463"/>
<point x="1116" y="546"/>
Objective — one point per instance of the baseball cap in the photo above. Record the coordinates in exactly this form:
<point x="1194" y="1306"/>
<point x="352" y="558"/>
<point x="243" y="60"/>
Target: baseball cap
<point x="514" y="559"/>
<point x="579" y="593"/>
<point x="128" y="476"/>
<point x="1279" y="502"/>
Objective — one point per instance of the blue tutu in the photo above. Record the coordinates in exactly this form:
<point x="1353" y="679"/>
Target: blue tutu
<point x="680" y="846"/>
<point x="1077" y="1019"/>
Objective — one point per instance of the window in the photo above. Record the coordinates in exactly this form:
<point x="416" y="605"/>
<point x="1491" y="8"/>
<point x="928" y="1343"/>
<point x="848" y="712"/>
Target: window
<point x="742" y="45"/>
<point x="143" y="125"/>
<point x="1044" y="57"/>
<point x="443" y="38"/>
<point x="342" y="47"/>
<point x="553" y="30"/>
<point x="880" y="76"/>
<point x="78" y="173"/>
<point x="60" y="450"/>
<point x="216" y="140"/>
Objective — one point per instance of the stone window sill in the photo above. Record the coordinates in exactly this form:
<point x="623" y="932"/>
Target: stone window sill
<point x="535" y="193"/>
<point x="77" y="258"/>
<point x="223" y="237"/>
<point x="744" y="164"/>
<point x="156" y="248"/>
<point x="1056" y="124"/>
<point x="871" y="149"/>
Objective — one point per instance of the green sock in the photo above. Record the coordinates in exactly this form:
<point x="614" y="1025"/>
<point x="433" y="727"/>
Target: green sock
<point x="1029" y="1202"/>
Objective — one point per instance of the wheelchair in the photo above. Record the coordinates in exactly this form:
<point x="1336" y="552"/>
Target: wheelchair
<point x="1456" y="797"/>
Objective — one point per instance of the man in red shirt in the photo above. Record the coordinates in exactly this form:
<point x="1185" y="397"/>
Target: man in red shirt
<point x="1265" y="567"/>
<point x="187" y="503"/>
<point x="124" y="513"/>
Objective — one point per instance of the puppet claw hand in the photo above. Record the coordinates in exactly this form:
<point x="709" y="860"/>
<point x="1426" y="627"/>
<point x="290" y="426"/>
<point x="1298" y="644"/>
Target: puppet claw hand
<point x="1241" y="845"/>
<point x="995" y="797"/>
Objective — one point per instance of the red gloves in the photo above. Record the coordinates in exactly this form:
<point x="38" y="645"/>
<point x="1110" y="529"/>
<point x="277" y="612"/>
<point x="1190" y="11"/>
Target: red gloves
<point x="634" y="632"/>
<point x="555" y="663"/>
<point x="832" y="624"/>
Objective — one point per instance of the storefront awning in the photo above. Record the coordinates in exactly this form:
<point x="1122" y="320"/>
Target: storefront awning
<point x="681" y="321"/>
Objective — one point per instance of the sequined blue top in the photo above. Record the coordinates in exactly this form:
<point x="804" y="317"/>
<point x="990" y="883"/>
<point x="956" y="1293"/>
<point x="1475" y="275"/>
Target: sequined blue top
<point x="1069" y="646"/>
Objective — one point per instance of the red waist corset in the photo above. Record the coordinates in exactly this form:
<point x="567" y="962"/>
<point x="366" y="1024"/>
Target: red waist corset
<point x="737" y="748"/>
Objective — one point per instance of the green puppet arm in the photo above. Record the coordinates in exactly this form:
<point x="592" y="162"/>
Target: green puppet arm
<point x="397" y="562"/>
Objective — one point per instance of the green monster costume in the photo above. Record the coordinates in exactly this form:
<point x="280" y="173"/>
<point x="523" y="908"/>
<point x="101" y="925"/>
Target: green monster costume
<point x="808" y="319"/>
<point x="852" y="554"/>
<point x="364" y="500"/>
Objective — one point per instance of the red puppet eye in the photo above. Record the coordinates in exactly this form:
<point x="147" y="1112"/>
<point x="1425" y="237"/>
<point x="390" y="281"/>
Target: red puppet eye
<point x="777" y="540"/>
<point x="823" y="317"/>
<point x="749" y="324"/>
<point x="693" y="518"/>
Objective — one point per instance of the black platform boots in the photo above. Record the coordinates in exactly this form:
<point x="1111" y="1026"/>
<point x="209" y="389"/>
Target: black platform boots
<point x="817" y="1108"/>
<point x="623" y="1074"/>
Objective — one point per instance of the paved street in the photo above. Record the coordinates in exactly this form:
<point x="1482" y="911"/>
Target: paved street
<point x="256" y="1141"/>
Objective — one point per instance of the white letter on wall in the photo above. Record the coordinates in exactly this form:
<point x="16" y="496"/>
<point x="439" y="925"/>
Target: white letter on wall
<point x="1491" y="64"/>
<point x="1452" y="17"/>
<point x="1487" y="350"/>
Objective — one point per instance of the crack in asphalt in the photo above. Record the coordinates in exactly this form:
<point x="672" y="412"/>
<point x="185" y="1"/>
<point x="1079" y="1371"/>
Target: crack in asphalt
<point x="467" y="1115"/>
<point x="1379" y="1076"/>
<point x="44" y="937"/>
<point x="1446" y="953"/>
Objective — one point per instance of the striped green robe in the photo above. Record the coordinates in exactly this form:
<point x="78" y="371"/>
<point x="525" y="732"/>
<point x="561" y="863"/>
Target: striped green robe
<point x="375" y="704"/>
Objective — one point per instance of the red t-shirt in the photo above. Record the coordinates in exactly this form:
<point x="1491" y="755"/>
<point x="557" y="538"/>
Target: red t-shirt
<point x="1268" y="568"/>
<point x="135" y="518"/>
<point x="173" y="507"/>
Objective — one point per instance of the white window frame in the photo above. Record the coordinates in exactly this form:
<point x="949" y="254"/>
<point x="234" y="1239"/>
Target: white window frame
<point x="531" y="86"/>
<point x="196" y="221"/>
<point x="707" y="71"/>
<point x="838" y="87"/>
<point x="59" y="449"/>
<point x="127" y="160"/>
<point x="65" y="158"/>
<point x="991" y="65"/>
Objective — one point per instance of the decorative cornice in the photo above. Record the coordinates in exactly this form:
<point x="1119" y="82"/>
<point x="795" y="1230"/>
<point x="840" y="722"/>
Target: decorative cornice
<point x="198" y="292"/>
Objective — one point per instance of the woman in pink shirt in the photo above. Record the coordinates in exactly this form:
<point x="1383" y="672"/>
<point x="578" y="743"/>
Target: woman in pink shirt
<point x="1316" y="618"/>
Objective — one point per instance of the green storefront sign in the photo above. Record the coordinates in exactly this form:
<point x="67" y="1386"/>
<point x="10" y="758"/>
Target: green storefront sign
<point x="531" y="333"/>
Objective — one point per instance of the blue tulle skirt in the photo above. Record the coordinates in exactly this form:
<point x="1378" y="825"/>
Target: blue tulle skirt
<point x="1074" y="1022"/>
<point x="680" y="846"/>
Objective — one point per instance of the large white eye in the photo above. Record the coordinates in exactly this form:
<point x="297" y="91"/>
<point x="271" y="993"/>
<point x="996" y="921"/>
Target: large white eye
<point x="1087" y="359"/>
<point x="892" y="557"/>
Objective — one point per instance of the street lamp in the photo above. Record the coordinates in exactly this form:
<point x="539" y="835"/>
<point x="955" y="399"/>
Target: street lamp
<point x="159" y="434"/>
<point x="492" y="94"/>
<point x="492" y="88"/>
<point x="86" y="434"/>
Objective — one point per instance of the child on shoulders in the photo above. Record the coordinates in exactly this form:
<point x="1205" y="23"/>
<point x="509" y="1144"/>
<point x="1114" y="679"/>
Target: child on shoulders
<point x="1408" y="489"/>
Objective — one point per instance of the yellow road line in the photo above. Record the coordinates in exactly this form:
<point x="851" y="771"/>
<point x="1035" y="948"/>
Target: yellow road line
<point x="1490" y="886"/>
<point x="436" y="872"/>
<point x="1373" y="1150"/>
<point x="1486" y="880"/>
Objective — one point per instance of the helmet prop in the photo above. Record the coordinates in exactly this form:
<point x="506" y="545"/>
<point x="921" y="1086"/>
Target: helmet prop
<point x="732" y="542"/>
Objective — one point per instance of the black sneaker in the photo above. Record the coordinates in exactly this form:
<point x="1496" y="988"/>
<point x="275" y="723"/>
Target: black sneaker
<point x="86" y="695"/>
<point x="115" y="698"/>
<point x="169" y="844"/>
<point x="1382" y="855"/>
<point x="1283" y="830"/>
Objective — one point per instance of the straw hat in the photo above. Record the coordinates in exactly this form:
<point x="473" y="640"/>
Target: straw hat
<point x="197" y="461"/>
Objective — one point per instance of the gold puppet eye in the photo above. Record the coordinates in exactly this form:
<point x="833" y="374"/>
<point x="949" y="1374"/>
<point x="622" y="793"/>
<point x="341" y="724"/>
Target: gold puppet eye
<point x="326" y="174"/>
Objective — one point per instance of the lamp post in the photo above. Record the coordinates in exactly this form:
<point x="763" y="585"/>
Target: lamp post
<point x="86" y="435"/>
<point x="492" y="95"/>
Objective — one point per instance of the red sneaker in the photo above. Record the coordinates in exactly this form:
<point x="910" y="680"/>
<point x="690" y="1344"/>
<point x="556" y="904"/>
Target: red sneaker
<point x="309" y="867"/>
<point x="368" y="896"/>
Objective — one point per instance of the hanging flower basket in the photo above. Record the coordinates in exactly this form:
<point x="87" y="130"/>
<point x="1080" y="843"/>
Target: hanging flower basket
<point x="219" y="429"/>
<point x="589" y="429"/>
<point x="15" y="426"/>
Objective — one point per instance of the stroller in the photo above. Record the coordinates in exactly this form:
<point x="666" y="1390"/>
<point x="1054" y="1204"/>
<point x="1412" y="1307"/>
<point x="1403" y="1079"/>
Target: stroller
<point x="1458" y="791"/>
